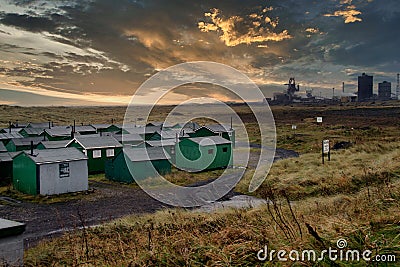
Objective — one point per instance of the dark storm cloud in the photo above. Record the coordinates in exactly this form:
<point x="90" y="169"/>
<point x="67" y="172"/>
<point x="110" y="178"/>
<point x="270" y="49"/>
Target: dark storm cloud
<point x="121" y="43"/>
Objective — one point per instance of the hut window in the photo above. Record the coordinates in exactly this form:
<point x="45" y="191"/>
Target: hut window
<point x="210" y="151"/>
<point x="64" y="170"/>
<point x="96" y="154"/>
<point x="110" y="152"/>
<point x="172" y="150"/>
<point x="225" y="149"/>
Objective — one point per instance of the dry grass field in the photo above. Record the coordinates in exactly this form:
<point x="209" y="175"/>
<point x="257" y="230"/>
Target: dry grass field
<point x="355" y="196"/>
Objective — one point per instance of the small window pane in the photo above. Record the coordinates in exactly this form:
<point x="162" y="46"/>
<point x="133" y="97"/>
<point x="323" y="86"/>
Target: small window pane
<point x="96" y="154"/>
<point x="210" y="151"/>
<point x="225" y="149"/>
<point x="110" y="152"/>
<point x="64" y="170"/>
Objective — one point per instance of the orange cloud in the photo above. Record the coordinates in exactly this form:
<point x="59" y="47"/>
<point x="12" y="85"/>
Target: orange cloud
<point x="236" y="30"/>
<point x="349" y="14"/>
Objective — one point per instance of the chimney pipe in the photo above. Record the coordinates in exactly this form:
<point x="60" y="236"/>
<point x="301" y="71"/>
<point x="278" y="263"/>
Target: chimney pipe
<point x="343" y="87"/>
<point x="31" y="148"/>
<point x="52" y="124"/>
<point x="72" y="134"/>
<point x="231" y="123"/>
<point x="176" y="138"/>
<point x="73" y="129"/>
<point x="9" y="126"/>
<point x="49" y="124"/>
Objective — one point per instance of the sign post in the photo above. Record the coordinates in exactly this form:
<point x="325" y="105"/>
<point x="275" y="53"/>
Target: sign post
<point x="326" y="150"/>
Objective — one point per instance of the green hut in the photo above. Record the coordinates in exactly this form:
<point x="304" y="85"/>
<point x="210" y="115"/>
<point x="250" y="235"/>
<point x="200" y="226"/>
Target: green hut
<point x="50" y="171"/>
<point x="98" y="149"/>
<point x="137" y="163"/>
<point x="52" y="144"/>
<point x="106" y="128"/>
<point x="215" y="130"/>
<point x="31" y="132"/>
<point x="6" y="137"/>
<point x="20" y="144"/>
<point x="203" y="153"/>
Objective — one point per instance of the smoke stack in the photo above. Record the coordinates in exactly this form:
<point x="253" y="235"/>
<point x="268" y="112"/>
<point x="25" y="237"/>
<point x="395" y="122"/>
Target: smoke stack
<point x="231" y="123"/>
<point x="9" y="126"/>
<point x="73" y="129"/>
<point x="31" y="148"/>
<point x="49" y="124"/>
<point x="343" y="87"/>
<point x="72" y="134"/>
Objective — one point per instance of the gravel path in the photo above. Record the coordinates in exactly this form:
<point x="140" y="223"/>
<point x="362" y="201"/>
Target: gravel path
<point x="111" y="202"/>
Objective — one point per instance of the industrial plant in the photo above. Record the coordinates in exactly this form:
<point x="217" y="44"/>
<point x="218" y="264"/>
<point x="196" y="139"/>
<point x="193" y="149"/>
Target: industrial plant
<point x="364" y="93"/>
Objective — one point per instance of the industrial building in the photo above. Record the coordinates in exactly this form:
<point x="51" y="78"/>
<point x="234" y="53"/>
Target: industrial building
<point x="385" y="90"/>
<point x="138" y="163"/>
<point x="365" y="87"/>
<point x="50" y="171"/>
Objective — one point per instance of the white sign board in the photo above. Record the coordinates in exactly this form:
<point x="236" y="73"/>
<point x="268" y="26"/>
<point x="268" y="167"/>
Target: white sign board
<point x="319" y="119"/>
<point x="325" y="146"/>
<point x="294" y="127"/>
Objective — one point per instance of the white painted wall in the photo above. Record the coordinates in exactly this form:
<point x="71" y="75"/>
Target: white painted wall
<point x="51" y="183"/>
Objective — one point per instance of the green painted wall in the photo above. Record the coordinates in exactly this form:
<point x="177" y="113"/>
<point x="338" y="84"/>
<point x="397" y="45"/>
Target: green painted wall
<point x="11" y="147"/>
<point x="188" y="151"/>
<point x="96" y="165"/>
<point x="118" y="170"/>
<point x="24" y="175"/>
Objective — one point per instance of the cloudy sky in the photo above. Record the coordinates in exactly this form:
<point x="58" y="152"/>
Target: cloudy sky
<point x="98" y="52"/>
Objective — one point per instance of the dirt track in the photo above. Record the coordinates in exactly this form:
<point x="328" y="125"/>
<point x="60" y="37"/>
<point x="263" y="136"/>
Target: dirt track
<point x="112" y="201"/>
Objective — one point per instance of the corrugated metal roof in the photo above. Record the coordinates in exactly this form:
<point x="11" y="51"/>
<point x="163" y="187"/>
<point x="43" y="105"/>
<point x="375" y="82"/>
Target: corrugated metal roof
<point x="5" y="156"/>
<point x="2" y="147"/>
<point x="92" y="142"/>
<point x="210" y="140"/>
<point x="13" y="130"/>
<point x="171" y="134"/>
<point x="54" y="144"/>
<point x="146" y="154"/>
<point x="27" y="141"/>
<point x="33" y="131"/>
<point x="161" y="143"/>
<point x="84" y="128"/>
<point x="218" y="128"/>
<point x="39" y="125"/>
<point x="141" y="130"/>
<point x="128" y="137"/>
<point x="56" y="155"/>
<point x="190" y="125"/>
<point x="59" y="131"/>
<point x="6" y="136"/>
